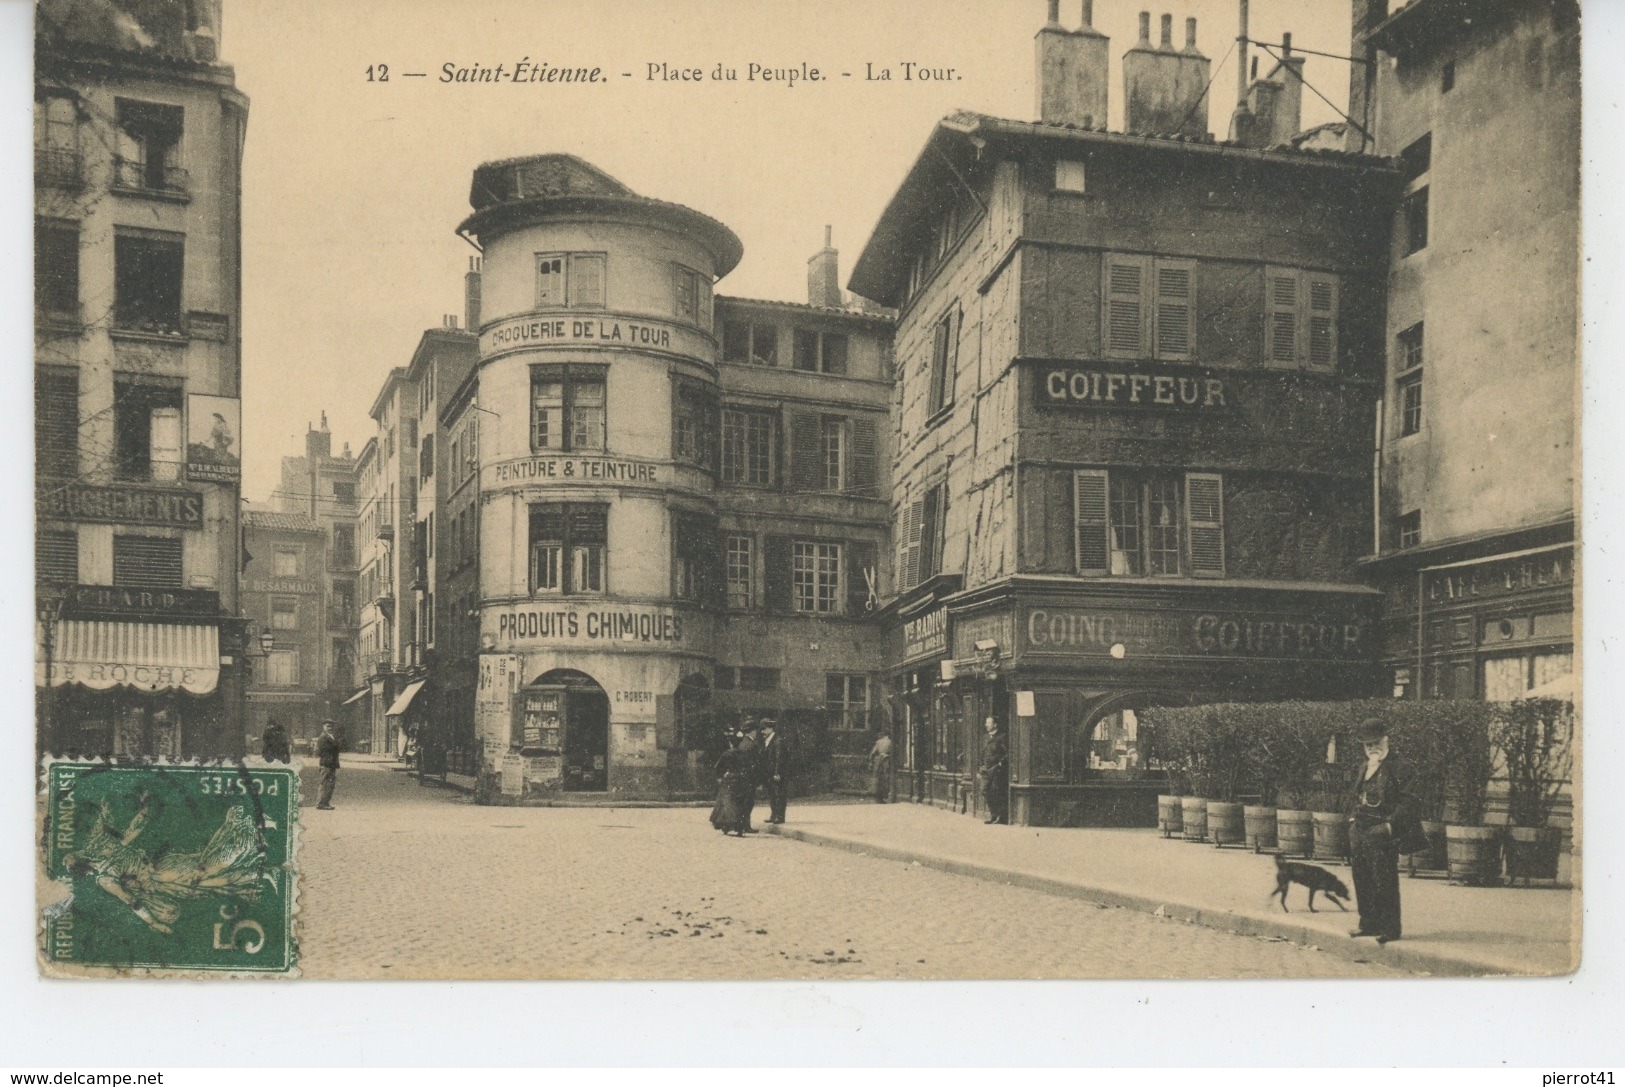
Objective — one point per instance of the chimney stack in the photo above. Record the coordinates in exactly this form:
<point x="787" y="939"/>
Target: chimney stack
<point x="1072" y="71"/>
<point x="824" y="274"/>
<point x="318" y="443"/>
<point x="1364" y="18"/>
<point x="1272" y="112"/>
<point x="1165" y="89"/>
<point x="471" y="295"/>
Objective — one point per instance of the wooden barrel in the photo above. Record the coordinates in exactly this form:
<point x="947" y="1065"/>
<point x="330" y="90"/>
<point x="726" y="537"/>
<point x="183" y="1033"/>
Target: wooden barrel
<point x="1473" y="855"/>
<point x="1258" y="826"/>
<point x="1295" y="832"/>
<point x="1168" y="817"/>
<point x="1224" y="826"/>
<point x="1431" y="858"/>
<point x="1533" y="852"/>
<point x="1331" y="836"/>
<point x="1193" y="814"/>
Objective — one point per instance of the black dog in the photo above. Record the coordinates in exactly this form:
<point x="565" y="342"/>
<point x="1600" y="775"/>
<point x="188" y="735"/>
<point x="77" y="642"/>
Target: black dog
<point x="1316" y="879"/>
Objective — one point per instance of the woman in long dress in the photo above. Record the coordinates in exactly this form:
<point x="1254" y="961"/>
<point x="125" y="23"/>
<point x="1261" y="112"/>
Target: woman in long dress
<point x="732" y="769"/>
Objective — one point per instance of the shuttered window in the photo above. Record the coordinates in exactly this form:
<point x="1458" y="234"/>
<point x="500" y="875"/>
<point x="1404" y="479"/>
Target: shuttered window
<point x="1090" y="530"/>
<point x="1125" y="306"/>
<point x="944" y="362"/>
<point x="776" y="572"/>
<point x="807" y="452"/>
<point x="1281" y="317"/>
<point x="56" y="558"/>
<point x="1176" y="309"/>
<point x="587" y="279"/>
<point x="932" y="509"/>
<point x="1322" y="322"/>
<point x="862" y="477"/>
<point x="908" y="546"/>
<point x="1204" y="510"/>
<point x="147" y="562"/>
<point x="56" y="424"/>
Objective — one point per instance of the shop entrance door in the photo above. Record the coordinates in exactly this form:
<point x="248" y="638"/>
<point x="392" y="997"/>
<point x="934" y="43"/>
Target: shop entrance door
<point x="586" y="741"/>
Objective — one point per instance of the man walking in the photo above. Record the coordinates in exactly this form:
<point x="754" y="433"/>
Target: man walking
<point x="775" y="768"/>
<point x="996" y="774"/>
<point x="327" y="757"/>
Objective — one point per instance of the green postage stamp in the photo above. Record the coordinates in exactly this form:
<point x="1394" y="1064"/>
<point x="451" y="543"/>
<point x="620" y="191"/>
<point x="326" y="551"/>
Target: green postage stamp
<point x="171" y="868"/>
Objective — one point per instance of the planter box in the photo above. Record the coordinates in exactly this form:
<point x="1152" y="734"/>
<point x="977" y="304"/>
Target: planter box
<point x="1533" y="852"/>
<point x="1473" y="855"/>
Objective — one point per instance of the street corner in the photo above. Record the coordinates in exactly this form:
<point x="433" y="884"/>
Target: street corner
<point x="171" y="869"/>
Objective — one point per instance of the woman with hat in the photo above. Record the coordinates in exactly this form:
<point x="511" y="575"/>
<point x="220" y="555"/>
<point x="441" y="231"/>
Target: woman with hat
<point x="1383" y="818"/>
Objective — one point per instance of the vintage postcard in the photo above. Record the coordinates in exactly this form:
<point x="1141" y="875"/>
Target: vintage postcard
<point x="978" y="489"/>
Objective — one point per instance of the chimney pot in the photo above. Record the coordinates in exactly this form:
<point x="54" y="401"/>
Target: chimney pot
<point x="1190" y="34"/>
<point x="1145" y="27"/>
<point x="1054" y="12"/>
<point x="829" y="231"/>
<point x="1254" y="73"/>
<point x="1167" y="31"/>
<point x="1088" y="14"/>
<point x="1286" y="42"/>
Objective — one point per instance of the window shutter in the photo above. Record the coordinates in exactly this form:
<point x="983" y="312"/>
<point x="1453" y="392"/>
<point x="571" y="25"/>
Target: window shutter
<point x="905" y="527"/>
<point x="1204" y="512"/>
<point x="56" y="423"/>
<point x="147" y="562"/>
<point x="1176" y="309"/>
<point x="1089" y="520"/>
<point x="1125" y="322"/>
<point x="956" y="323"/>
<point x="704" y="288"/>
<point x="864" y="443"/>
<point x="56" y="557"/>
<point x="931" y="517"/>
<point x="587" y="279"/>
<point x="916" y="531"/>
<point x="938" y="376"/>
<point x="861" y="574"/>
<point x="165" y="437"/>
<point x="776" y="572"/>
<point x="1281" y="317"/>
<point x="806" y="452"/>
<point x="1322" y="322"/>
<point x="549" y="280"/>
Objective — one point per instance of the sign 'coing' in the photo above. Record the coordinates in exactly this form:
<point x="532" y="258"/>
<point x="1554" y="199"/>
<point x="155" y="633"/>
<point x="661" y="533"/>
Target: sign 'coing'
<point x="1280" y="636"/>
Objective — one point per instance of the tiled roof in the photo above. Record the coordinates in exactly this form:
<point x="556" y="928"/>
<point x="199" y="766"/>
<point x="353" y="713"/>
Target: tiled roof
<point x="277" y="521"/>
<point x="807" y="307"/>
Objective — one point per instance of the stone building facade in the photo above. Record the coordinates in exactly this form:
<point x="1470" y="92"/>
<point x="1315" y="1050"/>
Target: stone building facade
<point x="284" y="596"/>
<point x="139" y="131"/>
<point x="1135" y="380"/>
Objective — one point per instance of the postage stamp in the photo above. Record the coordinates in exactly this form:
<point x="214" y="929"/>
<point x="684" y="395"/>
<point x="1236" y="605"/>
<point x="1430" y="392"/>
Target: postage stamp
<point x="171" y="868"/>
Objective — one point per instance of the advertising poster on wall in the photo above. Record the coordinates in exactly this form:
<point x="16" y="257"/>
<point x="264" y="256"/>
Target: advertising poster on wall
<point x="214" y="427"/>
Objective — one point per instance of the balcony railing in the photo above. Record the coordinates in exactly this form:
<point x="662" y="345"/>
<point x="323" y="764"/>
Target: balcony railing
<point x="137" y="176"/>
<point x="58" y="166"/>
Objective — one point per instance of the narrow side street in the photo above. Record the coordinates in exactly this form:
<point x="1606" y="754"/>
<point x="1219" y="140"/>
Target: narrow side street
<point x="403" y="881"/>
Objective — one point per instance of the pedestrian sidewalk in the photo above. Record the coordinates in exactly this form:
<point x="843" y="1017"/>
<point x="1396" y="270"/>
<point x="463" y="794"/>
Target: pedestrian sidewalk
<point x="1449" y="930"/>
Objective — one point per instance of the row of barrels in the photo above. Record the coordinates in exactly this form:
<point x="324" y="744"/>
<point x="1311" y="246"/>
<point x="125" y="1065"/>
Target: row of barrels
<point x="1466" y="854"/>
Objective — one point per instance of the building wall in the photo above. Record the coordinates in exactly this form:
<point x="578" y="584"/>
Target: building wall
<point x="298" y="707"/>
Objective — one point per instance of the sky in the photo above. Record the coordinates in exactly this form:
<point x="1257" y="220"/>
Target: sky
<point x="353" y="188"/>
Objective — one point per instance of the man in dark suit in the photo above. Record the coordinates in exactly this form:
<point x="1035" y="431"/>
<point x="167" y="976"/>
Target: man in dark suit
<point x="1382" y="814"/>
<point x="327" y="757"/>
<point x="996" y="774"/>
<point x="774" y="762"/>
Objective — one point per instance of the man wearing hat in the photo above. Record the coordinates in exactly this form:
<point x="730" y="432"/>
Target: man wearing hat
<point x="775" y="767"/>
<point x="327" y="758"/>
<point x="1383" y="816"/>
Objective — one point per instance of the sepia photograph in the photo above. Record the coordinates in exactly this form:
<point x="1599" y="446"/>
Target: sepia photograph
<point x="1003" y="489"/>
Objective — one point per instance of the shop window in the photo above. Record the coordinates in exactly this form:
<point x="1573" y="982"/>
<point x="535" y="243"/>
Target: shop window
<point x="282" y="668"/>
<point x="820" y="352"/>
<point x="944" y="363"/>
<point x="1509" y="678"/>
<point x="1408" y="529"/>
<point x="56" y="558"/>
<point x="147" y="428"/>
<point x="1301" y="319"/>
<point x="148" y="269"/>
<point x="749" y="342"/>
<point x="576" y="280"/>
<point x="286" y="562"/>
<point x="149" y="147"/>
<point x="1114" y="743"/>
<point x="694" y="425"/>
<point x="695" y="558"/>
<point x="748" y="441"/>
<point x="147" y="562"/>
<point x="846" y="699"/>
<point x="946" y="721"/>
<point x="1150" y="307"/>
<point x="1414" y="220"/>
<point x="741" y="566"/>
<point x="568" y="547"/>
<point x="57" y="159"/>
<point x="815" y="577"/>
<point x="692" y="293"/>
<point x="1410" y="404"/>
<point x="56" y="423"/>
<point x="1135" y="525"/>
<point x="566" y="408"/>
<point x="56" y="268"/>
<point x="284" y="613"/>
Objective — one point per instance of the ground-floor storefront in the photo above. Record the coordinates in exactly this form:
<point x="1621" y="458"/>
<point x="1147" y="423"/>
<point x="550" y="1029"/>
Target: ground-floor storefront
<point x="1061" y="667"/>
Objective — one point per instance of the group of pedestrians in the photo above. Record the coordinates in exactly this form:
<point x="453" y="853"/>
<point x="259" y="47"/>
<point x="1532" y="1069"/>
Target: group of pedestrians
<point x="756" y="758"/>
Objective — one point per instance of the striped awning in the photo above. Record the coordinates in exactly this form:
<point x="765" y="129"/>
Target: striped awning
<point x="404" y="702"/>
<point x="102" y="654"/>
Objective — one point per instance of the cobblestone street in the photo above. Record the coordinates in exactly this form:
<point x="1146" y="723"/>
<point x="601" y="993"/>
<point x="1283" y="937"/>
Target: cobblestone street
<point x="403" y="881"/>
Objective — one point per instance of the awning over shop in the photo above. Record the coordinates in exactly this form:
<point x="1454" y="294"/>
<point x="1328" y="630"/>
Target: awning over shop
<point x="404" y="701"/>
<point x="102" y="654"/>
<point x="358" y="696"/>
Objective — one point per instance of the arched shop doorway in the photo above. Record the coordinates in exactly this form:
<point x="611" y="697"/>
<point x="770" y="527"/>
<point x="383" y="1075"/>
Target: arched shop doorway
<point x="1110" y="743"/>
<point x="567" y="716"/>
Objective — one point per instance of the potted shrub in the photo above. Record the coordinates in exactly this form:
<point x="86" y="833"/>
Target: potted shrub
<point x="1292" y="764"/>
<point x="1163" y="727"/>
<point x="1473" y="850"/>
<point x="1277" y="754"/>
<point x="1417" y="730"/>
<point x="1226" y="755"/>
<point x="1179" y="739"/>
<point x="1531" y="740"/>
